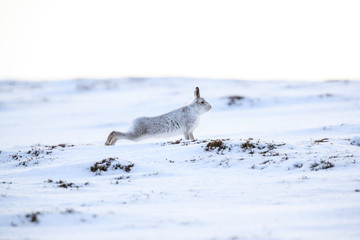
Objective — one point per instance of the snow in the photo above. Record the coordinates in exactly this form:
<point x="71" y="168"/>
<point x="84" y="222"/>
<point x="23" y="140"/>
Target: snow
<point x="288" y="165"/>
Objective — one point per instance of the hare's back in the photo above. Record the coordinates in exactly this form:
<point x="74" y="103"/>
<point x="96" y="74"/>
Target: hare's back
<point x="157" y="125"/>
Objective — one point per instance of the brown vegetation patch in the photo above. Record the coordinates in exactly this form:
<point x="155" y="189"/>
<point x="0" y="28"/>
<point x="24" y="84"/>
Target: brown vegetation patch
<point x="107" y="163"/>
<point x="233" y="100"/>
<point x="321" y="140"/>
<point x="322" y="165"/>
<point x="33" y="217"/>
<point x="217" y="144"/>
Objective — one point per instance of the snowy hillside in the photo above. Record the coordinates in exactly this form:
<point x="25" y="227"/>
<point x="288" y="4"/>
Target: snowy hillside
<point x="272" y="160"/>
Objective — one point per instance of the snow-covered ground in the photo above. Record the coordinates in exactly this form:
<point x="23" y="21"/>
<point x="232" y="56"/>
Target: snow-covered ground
<point x="287" y="165"/>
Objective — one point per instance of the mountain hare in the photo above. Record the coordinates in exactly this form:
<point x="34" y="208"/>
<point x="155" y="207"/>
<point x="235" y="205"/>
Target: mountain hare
<point x="180" y="121"/>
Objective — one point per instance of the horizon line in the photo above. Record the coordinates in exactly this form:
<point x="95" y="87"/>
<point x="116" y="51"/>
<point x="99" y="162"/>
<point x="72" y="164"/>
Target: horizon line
<point x="52" y="79"/>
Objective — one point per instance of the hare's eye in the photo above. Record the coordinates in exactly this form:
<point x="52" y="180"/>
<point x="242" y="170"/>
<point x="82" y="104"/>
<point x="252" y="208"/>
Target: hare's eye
<point x="202" y="102"/>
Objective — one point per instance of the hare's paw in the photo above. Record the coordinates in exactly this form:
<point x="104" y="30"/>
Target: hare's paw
<point x="110" y="139"/>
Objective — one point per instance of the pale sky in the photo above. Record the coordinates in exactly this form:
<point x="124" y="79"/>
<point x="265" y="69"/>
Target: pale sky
<point x="260" y="40"/>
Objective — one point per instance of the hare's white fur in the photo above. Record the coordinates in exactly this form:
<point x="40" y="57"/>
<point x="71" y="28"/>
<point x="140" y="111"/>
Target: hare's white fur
<point x="180" y="121"/>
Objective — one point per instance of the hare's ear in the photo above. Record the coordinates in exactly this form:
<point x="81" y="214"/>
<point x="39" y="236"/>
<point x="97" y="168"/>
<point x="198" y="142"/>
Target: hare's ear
<point x="197" y="92"/>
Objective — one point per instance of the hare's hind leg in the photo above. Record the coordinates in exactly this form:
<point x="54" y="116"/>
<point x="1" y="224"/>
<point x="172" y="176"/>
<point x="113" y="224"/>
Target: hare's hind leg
<point x="113" y="137"/>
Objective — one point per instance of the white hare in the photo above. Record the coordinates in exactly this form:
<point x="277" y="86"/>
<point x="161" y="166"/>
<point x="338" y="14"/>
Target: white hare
<point x="180" y="121"/>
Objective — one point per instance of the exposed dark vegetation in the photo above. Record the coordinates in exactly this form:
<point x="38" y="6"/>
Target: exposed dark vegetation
<point x="122" y="178"/>
<point x="314" y="166"/>
<point x="298" y="165"/>
<point x="321" y="166"/>
<point x="265" y="149"/>
<point x="234" y="100"/>
<point x="175" y="142"/>
<point x="220" y="145"/>
<point x="62" y="145"/>
<point x="111" y="163"/>
<point x="33" y="217"/>
<point x="151" y="174"/>
<point x="217" y="145"/>
<point x="102" y="165"/>
<point x="36" y="153"/>
<point x="327" y="95"/>
<point x="90" y="85"/>
<point x="184" y="142"/>
<point x="126" y="168"/>
<point x="64" y="184"/>
<point x="355" y="142"/>
<point x="250" y="146"/>
<point x="68" y="211"/>
<point x="266" y="162"/>
<point x="321" y="140"/>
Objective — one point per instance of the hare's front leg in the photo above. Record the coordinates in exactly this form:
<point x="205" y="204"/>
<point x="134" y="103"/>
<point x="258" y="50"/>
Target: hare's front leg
<point x="112" y="138"/>
<point x="189" y="136"/>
